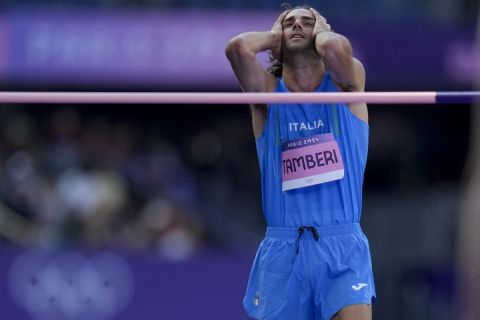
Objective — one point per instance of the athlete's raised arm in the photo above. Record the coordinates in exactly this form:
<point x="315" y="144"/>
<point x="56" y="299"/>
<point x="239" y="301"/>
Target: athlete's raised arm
<point x="336" y="51"/>
<point x="241" y="52"/>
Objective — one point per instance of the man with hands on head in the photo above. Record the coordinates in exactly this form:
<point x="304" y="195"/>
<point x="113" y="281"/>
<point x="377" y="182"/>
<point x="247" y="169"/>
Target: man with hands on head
<point x="314" y="262"/>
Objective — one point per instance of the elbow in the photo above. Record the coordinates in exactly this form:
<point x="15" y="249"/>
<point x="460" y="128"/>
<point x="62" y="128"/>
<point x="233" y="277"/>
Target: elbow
<point x="231" y="47"/>
<point x="236" y="48"/>
<point x="338" y="48"/>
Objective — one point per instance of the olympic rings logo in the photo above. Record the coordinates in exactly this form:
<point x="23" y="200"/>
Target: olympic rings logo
<point x="68" y="285"/>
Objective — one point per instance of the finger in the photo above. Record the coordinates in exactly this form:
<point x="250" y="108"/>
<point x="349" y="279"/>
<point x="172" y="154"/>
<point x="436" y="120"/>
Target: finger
<point x="282" y="16"/>
<point x="277" y="25"/>
<point x="317" y="15"/>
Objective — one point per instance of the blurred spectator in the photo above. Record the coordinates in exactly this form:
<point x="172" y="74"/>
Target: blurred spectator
<point x="91" y="182"/>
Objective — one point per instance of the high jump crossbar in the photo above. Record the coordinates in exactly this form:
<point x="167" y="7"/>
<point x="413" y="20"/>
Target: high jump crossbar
<point x="411" y="97"/>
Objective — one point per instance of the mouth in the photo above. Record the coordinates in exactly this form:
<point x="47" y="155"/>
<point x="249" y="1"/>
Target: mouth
<point x="297" y="36"/>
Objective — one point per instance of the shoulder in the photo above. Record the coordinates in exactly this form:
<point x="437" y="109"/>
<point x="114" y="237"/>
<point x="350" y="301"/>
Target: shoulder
<point x="360" y="110"/>
<point x="271" y="82"/>
<point x="358" y="81"/>
<point x="260" y="111"/>
<point x="359" y="74"/>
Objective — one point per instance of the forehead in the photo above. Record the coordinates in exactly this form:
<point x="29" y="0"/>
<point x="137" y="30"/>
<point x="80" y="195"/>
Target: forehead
<point x="298" y="13"/>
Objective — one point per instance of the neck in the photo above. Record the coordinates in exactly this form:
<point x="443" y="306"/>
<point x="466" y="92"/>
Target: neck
<point x="302" y="72"/>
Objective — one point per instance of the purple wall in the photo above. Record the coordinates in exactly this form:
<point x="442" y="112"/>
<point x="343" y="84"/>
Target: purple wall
<point x="186" y="49"/>
<point x="106" y="285"/>
<point x="162" y="48"/>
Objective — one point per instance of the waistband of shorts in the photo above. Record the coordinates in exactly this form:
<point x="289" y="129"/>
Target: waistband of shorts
<point x="324" y="231"/>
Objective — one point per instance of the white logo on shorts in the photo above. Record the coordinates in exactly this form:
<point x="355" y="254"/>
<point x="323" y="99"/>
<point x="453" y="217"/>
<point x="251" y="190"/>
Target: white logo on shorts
<point x="359" y="286"/>
<point x="257" y="300"/>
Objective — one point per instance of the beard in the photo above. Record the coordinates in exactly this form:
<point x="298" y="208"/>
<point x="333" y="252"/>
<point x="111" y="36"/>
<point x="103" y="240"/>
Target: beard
<point x="298" y="45"/>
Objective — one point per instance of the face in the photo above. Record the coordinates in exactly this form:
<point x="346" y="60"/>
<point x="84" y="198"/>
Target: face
<point x="297" y="29"/>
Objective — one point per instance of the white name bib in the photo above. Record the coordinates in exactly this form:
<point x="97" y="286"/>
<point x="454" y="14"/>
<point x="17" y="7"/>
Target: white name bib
<point x="311" y="160"/>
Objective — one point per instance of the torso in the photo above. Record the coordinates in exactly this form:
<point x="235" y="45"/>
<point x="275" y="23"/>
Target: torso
<point x="259" y="111"/>
<point x="329" y="203"/>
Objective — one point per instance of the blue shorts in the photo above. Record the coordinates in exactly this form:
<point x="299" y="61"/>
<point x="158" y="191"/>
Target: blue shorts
<point x="310" y="274"/>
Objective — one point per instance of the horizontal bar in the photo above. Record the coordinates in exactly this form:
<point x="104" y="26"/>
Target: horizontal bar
<point x="237" y="97"/>
<point x="458" y="97"/>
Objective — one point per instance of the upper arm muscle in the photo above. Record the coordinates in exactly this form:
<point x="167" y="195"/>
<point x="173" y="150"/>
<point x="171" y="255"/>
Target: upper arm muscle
<point x="252" y="78"/>
<point x="358" y="84"/>
<point x="248" y="71"/>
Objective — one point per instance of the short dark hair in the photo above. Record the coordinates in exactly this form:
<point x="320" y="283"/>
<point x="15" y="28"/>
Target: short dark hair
<point x="288" y="6"/>
<point x="275" y="66"/>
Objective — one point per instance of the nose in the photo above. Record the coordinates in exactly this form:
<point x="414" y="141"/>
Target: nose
<point x="296" y="25"/>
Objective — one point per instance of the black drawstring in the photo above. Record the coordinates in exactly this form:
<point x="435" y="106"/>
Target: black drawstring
<point x="301" y="230"/>
<point x="300" y="233"/>
<point x="314" y="232"/>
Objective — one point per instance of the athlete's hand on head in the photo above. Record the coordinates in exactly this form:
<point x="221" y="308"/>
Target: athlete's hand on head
<point x="321" y="24"/>
<point x="277" y="30"/>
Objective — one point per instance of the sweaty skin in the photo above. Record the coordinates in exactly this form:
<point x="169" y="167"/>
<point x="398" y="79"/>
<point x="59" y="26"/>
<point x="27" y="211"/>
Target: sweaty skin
<point x="303" y="41"/>
<point x="305" y="44"/>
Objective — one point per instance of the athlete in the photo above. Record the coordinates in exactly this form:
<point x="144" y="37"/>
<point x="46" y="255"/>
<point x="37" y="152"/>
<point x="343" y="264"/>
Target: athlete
<point x="314" y="262"/>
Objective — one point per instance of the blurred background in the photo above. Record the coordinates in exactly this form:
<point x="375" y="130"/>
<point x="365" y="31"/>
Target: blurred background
<point x="154" y="211"/>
